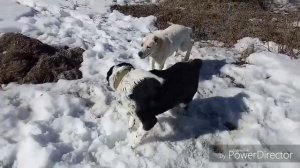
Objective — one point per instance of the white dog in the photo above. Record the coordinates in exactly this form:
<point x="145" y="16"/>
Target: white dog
<point x="162" y="44"/>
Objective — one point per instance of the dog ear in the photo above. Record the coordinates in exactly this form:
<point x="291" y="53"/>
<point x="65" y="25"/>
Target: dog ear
<point x="156" y="39"/>
<point x="125" y="64"/>
<point x="109" y="72"/>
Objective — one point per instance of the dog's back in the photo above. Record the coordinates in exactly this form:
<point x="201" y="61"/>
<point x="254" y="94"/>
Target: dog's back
<point x="177" y="30"/>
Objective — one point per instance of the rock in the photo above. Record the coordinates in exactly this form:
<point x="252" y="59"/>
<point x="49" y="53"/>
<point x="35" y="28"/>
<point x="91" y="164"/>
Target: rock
<point x="27" y="60"/>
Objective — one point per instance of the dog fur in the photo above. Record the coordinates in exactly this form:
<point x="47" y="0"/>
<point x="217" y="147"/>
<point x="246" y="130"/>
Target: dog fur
<point x="147" y="94"/>
<point x="162" y="44"/>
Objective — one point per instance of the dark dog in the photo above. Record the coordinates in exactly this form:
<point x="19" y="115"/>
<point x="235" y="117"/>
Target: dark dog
<point x="154" y="92"/>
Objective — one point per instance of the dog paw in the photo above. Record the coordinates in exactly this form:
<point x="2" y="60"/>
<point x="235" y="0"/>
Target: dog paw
<point x="134" y="140"/>
<point x="136" y="137"/>
<point x="131" y="123"/>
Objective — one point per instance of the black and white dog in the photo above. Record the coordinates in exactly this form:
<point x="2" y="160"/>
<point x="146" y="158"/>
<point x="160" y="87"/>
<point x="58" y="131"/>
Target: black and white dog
<point x="149" y="93"/>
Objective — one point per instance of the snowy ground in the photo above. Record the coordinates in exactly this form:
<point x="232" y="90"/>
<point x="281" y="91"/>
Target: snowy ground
<point x="77" y="124"/>
<point x="10" y="13"/>
<point x="286" y="5"/>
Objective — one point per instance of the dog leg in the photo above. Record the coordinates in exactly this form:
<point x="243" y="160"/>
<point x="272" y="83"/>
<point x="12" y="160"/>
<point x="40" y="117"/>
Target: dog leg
<point x="136" y="137"/>
<point x="187" y="47"/>
<point x="176" y="53"/>
<point x="131" y="122"/>
<point x="155" y="65"/>
<point x="160" y="65"/>
<point x="152" y="63"/>
<point x="187" y="56"/>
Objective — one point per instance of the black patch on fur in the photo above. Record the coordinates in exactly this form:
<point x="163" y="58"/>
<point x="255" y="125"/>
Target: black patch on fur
<point x="125" y="64"/>
<point x="180" y="85"/>
<point x="109" y="72"/>
<point x="152" y="98"/>
<point x="144" y="94"/>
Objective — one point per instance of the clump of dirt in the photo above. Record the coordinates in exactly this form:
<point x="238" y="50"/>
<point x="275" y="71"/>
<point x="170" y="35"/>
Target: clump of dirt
<point x="223" y="20"/>
<point x="28" y="60"/>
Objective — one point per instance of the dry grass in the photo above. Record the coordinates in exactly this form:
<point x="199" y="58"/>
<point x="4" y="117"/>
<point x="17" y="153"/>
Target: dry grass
<point x="224" y="20"/>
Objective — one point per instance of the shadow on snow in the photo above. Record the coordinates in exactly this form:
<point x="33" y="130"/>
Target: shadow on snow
<point x="203" y="116"/>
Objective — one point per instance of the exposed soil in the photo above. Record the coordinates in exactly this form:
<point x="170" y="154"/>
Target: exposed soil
<point x="27" y="60"/>
<point x="223" y="20"/>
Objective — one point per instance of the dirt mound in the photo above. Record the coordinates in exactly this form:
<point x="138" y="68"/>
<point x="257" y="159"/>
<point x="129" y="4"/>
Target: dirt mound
<point x="27" y="60"/>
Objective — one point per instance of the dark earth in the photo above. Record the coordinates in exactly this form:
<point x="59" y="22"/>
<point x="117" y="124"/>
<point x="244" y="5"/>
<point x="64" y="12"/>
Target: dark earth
<point x="224" y="20"/>
<point x="28" y="60"/>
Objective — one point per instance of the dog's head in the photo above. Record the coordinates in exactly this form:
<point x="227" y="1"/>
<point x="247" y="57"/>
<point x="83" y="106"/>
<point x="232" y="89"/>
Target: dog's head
<point x="116" y="73"/>
<point x="150" y="44"/>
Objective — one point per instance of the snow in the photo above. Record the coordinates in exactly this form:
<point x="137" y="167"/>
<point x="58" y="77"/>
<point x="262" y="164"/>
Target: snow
<point x="285" y="5"/>
<point x="10" y="13"/>
<point x="79" y="123"/>
<point x="296" y="24"/>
